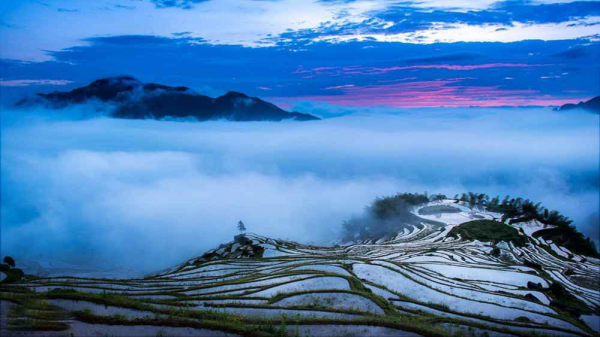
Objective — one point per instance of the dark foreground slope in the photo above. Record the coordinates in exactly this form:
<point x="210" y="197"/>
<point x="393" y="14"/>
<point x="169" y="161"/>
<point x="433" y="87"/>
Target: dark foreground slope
<point x="126" y="97"/>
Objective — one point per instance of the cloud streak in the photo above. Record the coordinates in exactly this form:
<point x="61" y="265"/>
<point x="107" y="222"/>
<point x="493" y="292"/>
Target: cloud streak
<point x="26" y="83"/>
<point x="358" y="70"/>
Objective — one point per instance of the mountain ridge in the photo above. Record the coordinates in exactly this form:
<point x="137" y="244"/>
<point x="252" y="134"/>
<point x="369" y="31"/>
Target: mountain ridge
<point x="591" y="105"/>
<point x="127" y="97"/>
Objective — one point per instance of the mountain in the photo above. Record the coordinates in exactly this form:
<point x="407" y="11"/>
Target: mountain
<point x="461" y="271"/>
<point x="126" y="97"/>
<point x="593" y="105"/>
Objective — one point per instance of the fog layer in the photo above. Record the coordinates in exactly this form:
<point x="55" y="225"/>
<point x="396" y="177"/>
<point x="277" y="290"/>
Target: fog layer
<point x="149" y="194"/>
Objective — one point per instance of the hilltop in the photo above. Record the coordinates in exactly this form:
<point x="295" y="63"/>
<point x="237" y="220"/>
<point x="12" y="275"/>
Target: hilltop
<point x="126" y="97"/>
<point x="592" y="105"/>
<point x="466" y="265"/>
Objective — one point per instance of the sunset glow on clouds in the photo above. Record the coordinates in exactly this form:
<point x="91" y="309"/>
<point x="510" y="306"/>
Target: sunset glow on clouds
<point x="360" y="53"/>
<point x="449" y="92"/>
<point x="438" y="93"/>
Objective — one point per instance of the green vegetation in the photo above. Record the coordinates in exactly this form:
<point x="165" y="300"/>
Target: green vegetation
<point x="523" y="210"/>
<point x="422" y="323"/>
<point x="36" y="325"/>
<point x="34" y="312"/>
<point x="495" y="252"/>
<point x="488" y="230"/>
<point x="438" y="209"/>
<point x="386" y="216"/>
<point x="396" y="206"/>
<point x="574" y="241"/>
<point x="523" y="319"/>
<point x="563" y="300"/>
<point x="199" y="319"/>
<point x="389" y="215"/>
<point x="12" y="274"/>
<point x="9" y="261"/>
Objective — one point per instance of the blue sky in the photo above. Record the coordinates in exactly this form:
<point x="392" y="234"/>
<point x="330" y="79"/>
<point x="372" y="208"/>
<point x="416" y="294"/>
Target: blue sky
<point x="355" y="53"/>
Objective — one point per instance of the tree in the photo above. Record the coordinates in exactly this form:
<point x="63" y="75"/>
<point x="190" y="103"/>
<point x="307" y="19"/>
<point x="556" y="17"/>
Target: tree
<point x="438" y="197"/>
<point x="472" y="199"/>
<point x="241" y="227"/>
<point x="9" y="261"/>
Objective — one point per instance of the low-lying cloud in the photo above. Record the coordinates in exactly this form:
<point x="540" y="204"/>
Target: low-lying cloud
<point x="149" y="194"/>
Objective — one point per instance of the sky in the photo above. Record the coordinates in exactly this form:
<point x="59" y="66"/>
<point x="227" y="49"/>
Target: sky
<point x="305" y="54"/>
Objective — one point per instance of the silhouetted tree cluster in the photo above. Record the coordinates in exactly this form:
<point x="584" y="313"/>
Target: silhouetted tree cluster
<point x="385" y="216"/>
<point x="10" y="261"/>
<point x="12" y="273"/>
<point x="519" y="209"/>
<point x="523" y="210"/>
<point x="437" y="197"/>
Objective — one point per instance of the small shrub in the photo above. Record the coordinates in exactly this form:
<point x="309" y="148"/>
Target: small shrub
<point x="532" y="298"/>
<point x="9" y="261"/>
<point x="495" y="252"/>
<point x="522" y="319"/>
<point x="488" y="231"/>
<point x="532" y="264"/>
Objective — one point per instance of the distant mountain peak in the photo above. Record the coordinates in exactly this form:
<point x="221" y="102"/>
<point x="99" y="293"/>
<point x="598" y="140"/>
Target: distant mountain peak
<point x="234" y="94"/>
<point x="114" y="79"/>
<point x="127" y="97"/>
<point x="154" y="87"/>
<point x="592" y="105"/>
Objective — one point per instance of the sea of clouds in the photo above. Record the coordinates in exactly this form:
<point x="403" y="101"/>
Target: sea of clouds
<point x="147" y="194"/>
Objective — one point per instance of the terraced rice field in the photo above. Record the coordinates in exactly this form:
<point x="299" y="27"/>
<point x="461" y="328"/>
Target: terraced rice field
<point x="421" y="282"/>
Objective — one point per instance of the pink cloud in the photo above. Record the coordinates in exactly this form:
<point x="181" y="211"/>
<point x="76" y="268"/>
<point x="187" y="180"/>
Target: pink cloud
<point x="26" y="83"/>
<point x="435" y="93"/>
